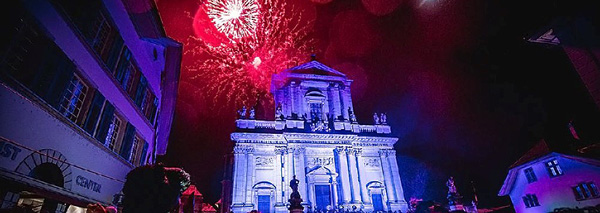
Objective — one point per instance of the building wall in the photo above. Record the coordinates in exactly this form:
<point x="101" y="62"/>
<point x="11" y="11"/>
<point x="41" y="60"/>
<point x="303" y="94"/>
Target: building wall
<point x="554" y="192"/>
<point x="353" y="174"/>
<point x="56" y="47"/>
<point x="32" y="126"/>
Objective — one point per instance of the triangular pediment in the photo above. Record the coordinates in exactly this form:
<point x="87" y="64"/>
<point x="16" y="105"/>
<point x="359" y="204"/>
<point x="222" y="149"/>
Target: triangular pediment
<point x="316" y="68"/>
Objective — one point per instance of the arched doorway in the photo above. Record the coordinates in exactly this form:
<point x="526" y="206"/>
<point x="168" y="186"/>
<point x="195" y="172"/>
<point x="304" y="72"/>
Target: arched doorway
<point x="48" y="166"/>
<point x="49" y="173"/>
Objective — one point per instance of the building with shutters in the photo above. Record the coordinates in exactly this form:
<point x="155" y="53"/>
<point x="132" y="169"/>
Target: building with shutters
<point x="87" y="93"/>
<point x="315" y="137"/>
<point x="551" y="177"/>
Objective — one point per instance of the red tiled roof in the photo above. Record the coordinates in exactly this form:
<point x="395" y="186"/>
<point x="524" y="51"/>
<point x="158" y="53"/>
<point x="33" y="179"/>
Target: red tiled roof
<point x="539" y="150"/>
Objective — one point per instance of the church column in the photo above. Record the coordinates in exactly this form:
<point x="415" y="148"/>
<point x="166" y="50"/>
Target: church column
<point x="344" y="106"/>
<point x="299" y="167"/>
<point x="238" y="153"/>
<point x="334" y="193"/>
<point x="278" y="179"/>
<point x="396" y="176"/>
<point x="387" y="176"/>
<point x="362" y="177"/>
<point x="343" y="173"/>
<point x="355" y="185"/>
<point x="336" y="102"/>
<point x="250" y="175"/>
<point x="288" y="168"/>
<point x="293" y="98"/>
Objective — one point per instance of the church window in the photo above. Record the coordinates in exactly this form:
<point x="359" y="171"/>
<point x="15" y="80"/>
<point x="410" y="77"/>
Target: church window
<point x="584" y="191"/>
<point x="530" y="175"/>
<point x="316" y="111"/>
<point x="322" y="193"/>
<point x="377" y="202"/>
<point x="553" y="168"/>
<point x="264" y="203"/>
<point x="530" y="200"/>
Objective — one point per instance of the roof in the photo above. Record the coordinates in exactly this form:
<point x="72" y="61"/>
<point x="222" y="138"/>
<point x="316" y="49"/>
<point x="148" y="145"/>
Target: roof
<point x="315" y="67"/>
<point x="540" y="149"/>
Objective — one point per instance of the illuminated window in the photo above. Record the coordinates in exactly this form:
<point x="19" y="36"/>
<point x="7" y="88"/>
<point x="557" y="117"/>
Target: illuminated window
<point x="73" y="98"/>
<point x="553" y="168"/>
<point x="584" y="191"/>
<point x="102" y="31"/>
<point x="133" y="158"/>
<point x="530" y="200"/>
<point x="112" y="136"/>
<point x="10" y="200"/>
<point x="530" y="175"/>
<point x="61" y="208"/>
<point x="264" y="203"/>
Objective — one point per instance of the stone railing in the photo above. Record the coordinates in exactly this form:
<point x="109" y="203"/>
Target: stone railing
<point x="299" y="124"/>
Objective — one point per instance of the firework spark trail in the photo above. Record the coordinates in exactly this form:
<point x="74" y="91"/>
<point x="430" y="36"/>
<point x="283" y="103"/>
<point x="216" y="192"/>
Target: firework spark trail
<point x="235" y="73"/>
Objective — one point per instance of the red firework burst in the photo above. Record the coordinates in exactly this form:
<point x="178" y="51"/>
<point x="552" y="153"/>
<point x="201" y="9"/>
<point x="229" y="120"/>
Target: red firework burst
<point x="234" y="71"/>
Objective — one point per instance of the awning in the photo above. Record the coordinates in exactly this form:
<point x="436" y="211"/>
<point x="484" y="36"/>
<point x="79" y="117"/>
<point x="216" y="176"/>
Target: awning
<point x="48" y="190"/>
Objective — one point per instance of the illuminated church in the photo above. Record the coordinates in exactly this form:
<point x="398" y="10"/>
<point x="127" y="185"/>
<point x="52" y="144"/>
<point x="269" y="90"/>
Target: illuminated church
<point x="315" y="137"/>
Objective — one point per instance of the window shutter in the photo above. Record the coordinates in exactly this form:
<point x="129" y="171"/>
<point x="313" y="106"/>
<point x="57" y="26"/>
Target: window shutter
<point x="114" y="53"/>
<point x="141" y="91"/>
<point x="106" y="119"/>
<point x="127" y="141"/>
<point x="94" y="113"/>
<point x="143" y="155"/>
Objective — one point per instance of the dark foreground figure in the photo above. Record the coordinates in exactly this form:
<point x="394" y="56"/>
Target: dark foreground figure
<point x="154" y="188"/>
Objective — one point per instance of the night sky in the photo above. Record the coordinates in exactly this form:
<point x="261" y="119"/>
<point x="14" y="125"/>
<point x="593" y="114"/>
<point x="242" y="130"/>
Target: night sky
<point x="463" y="90"/>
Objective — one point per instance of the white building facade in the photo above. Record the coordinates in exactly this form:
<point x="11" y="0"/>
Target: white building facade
<point x="315" y="137"/>
<point x="87" y="93"/>
<point x="545" y="181"/>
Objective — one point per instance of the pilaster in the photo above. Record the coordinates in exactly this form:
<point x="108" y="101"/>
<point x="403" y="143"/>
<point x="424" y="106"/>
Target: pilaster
<point x="344" y="178"/>
<point x="355" y="184"/>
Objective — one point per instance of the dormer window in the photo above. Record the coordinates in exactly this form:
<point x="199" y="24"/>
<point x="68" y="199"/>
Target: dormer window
<point x="554" y="169"/>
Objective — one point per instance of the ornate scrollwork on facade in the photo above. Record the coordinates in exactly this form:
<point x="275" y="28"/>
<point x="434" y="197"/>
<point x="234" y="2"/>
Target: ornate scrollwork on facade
<point x="340" y="150"/>
<point x="299" y="150"/>
<point x="387" y="152"/>
<point x="240" y="149"/>
<point x="281" y="150"/>
<point x="372" y="163"/>
<point x="265" y="161"/>
<point x="320" y="161"/>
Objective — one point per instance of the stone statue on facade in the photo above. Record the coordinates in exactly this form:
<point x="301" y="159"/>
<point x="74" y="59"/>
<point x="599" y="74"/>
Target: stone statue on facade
<point x="295" y="199"/>
<point x="383" y="118"/>
<point x="242" y="112"/>
<point x="252" y="113"/>
<point x="375" y="118"/>
<point x="351" y="115"/>
<point x="279" y="113"/>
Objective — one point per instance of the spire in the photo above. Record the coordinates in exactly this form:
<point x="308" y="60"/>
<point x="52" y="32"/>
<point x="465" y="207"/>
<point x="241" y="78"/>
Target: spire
<point x="313" y="57"/>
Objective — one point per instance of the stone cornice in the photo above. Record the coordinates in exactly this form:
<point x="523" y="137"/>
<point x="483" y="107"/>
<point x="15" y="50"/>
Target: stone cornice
<point x="374" y="141"/>
<point x="264" y="138"/>
<point x="313" y="138"/>
<point x="319" y="138"/>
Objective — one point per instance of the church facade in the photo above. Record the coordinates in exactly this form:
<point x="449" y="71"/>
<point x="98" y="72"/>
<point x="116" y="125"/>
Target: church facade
<point x="315" y="137"/>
